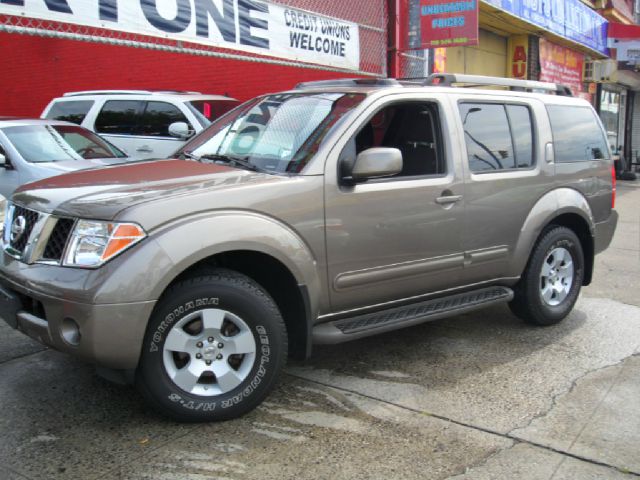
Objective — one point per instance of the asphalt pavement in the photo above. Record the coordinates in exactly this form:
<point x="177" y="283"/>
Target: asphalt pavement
<point x="478" y="396"/>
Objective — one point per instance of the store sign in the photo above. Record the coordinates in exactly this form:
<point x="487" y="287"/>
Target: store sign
<point x="519" y="54"/>
<point x="571" y="19"/>
<point x="561" y="65"/>
<point x="448" y="23"/>
<point x="244" y="25"/>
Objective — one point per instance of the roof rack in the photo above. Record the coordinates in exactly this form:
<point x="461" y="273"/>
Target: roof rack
<point x="128" y="92"/>
<point x="350" y="82"/>
<point x="450" y="79"/>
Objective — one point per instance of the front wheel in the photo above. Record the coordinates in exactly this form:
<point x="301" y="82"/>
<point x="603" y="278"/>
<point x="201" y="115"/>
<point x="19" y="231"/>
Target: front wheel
<point x="550" y="284"/>
<point x="214" y="348"/>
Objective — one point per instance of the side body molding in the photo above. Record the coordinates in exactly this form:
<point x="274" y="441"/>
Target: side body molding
<point x="551" y="205"/>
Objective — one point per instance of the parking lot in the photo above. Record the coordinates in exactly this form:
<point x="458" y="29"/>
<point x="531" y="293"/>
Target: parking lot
<point x="476" y="396"/>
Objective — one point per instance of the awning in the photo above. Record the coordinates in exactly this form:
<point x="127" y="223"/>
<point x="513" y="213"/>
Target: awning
<point x="620" y="31"/>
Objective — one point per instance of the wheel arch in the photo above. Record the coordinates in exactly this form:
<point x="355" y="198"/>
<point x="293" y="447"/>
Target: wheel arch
<point x="563" y="207"/>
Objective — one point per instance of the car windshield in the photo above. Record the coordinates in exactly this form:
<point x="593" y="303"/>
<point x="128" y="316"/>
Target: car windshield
<point x="276" y="133"/>
<point x="57" y="143"/>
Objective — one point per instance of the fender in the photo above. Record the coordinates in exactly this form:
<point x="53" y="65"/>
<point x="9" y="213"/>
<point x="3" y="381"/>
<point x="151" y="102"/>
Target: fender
<point x="198" y="237"/>
<point x="551" y="205"/>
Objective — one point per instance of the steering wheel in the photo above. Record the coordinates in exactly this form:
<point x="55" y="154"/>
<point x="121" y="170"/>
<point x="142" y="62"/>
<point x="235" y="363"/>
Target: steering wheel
<point x="84" y="152"/>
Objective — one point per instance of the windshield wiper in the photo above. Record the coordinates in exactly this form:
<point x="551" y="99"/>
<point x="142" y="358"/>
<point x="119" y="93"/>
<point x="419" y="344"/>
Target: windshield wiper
<point x="228" y="159"/>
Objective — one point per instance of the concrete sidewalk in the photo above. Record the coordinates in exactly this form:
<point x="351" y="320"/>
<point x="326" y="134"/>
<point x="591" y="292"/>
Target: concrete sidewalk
<point x="479" y="396"/>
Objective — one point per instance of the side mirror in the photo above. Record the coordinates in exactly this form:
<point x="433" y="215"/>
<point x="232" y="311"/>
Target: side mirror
<point x="4" y="162"/>
<point x="180" y="130"/>
<point x="376" y="162"/>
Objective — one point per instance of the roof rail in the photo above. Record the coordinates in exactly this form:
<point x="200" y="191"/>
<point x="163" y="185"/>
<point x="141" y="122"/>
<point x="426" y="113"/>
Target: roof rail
<point x="349" y="82"/>
<point x="449" y="79"/>
<point x="128" y="92"/>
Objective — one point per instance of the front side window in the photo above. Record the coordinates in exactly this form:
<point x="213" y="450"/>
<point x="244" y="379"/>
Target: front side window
<point x="158" y="116"/>
<point x="72" y="111"/>
<point x="498" y="137"/>
<point x="277" y="133"/>
<point x="577" y="136"/>
<point x="57" y="143"/>
<point x="411" y="127"/>
<point x="206" y="111"/>
<point x="120" y="117"/>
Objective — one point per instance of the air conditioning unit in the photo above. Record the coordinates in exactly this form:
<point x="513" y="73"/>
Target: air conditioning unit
<point x="599" y="70"/>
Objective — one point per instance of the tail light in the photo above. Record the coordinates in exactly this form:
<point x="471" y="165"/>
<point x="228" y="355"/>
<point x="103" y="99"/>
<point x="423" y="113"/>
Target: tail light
<point x="613" y="187"/>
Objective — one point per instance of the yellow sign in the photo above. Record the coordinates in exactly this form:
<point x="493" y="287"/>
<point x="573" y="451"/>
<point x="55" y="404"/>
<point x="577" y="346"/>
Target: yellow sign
<point x="518" y="56"/>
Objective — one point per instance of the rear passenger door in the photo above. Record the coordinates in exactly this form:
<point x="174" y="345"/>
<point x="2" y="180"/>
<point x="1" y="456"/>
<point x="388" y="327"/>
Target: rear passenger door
<point x="505" y="174"/>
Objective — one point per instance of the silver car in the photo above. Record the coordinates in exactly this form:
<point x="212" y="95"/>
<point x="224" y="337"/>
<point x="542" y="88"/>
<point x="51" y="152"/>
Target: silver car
<point x="34" y="149"/>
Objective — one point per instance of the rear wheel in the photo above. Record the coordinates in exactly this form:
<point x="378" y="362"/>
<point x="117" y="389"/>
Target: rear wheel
<point x="551" y="282"/>
<point x="213" y="348"/>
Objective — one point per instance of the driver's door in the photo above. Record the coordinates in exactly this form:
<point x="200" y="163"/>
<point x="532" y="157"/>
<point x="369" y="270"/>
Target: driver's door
<point x="400" y="237"/>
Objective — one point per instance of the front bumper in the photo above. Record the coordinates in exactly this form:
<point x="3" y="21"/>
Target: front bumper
<point x="110" y="335"/>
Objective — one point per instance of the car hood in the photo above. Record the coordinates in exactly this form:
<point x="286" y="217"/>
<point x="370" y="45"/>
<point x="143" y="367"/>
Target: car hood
<point x="74" y="165"/>
<point x="103" y="193"/>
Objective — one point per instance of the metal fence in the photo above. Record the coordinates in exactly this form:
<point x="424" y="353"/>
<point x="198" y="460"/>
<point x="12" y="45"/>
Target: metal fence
<point x="371" y="17"/>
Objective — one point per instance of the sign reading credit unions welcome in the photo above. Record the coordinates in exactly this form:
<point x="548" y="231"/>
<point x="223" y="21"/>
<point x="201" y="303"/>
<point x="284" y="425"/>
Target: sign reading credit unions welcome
<point x="246" y="25"/>
<point x="448" y="23"/>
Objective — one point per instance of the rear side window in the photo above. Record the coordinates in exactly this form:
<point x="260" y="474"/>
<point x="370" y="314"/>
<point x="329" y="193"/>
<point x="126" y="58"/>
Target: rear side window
<point x="498" y="137"/>
<point x="73" y="111"/>
<point x="158" y="116"/>
<point x="577" y="136"/>
<point x="120" y="117"/>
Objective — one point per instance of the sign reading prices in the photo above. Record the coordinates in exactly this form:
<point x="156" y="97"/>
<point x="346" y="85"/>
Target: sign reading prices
<point x="242" y="25"/>
<point x="448" y="23"/>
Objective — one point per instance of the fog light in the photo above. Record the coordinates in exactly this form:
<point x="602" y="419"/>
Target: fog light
<point x="70" y="331"/>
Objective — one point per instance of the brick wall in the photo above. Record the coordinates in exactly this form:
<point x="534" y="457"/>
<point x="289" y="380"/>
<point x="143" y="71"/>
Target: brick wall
<point x="37" y="69"/>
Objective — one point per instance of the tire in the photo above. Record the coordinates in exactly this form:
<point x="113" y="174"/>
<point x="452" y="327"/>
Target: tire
<point x="551" y="282"/>
<point x="214" y="348"/>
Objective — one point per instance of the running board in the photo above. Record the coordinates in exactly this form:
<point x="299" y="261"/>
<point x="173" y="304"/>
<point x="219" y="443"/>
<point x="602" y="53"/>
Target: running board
<point x="360" y="326"/>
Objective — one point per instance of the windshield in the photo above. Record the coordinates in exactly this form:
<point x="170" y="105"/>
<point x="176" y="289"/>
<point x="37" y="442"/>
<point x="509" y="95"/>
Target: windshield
<point x="57" y="143"/>
<point x="276" y="133"/>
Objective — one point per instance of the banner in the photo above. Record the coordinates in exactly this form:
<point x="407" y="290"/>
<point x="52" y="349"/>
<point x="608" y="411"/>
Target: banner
<point x="245" y="25"/>
<point x="561" y="65"/>
<point x="448" y="23"/>
<point x="570" y="19"/>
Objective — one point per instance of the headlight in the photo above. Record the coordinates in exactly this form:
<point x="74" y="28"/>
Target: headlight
<point x="94" y="243"/>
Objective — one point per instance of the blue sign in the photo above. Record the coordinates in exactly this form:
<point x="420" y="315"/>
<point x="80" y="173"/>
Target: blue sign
<point x="571" y="19"/>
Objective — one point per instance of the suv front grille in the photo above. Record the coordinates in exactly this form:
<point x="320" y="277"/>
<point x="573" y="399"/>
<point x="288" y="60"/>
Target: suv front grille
<point x="32" y="237"/>
<point x="58" y="239"/>
<point x="22" y="221"/>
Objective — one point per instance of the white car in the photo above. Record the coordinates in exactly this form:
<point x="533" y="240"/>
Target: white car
<point x="33" y="149"/>
<point x="145" y="124"/>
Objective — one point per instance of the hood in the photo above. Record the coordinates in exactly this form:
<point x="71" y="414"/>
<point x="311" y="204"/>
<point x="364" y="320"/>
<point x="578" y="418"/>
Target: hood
<point x="102" y="193"/>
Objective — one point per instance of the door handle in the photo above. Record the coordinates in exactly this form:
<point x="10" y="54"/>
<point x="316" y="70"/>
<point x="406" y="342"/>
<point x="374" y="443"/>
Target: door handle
<point x="144" y="149"/>
<point x="448" y="199"/>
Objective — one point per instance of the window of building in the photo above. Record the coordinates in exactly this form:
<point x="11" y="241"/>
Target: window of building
<point x="411" y="127"/>
<point x="71" y="111"/>
<point x="498" y="137"/>
<point x="577" y="136"/>
<point x="120" y="117"/>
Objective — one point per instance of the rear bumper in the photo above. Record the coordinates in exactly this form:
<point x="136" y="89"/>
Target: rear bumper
<point x="109" y="335"/>
<point x="604" y="232"/>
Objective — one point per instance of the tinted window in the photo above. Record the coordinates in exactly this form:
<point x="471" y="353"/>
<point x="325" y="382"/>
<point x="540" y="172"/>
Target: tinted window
<point x="208" y="110"/>
<point x="522" y="133"/>
<point x="486" y="132"/>
<point x="120" y="116"/>
<point x="157" y="118"/>
<point x="73" y="111"/>
<point x="577" y="136"/>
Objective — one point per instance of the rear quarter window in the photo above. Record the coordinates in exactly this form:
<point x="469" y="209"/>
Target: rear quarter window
<point x="72" y="111"/>
<point x="577" y="136"/>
